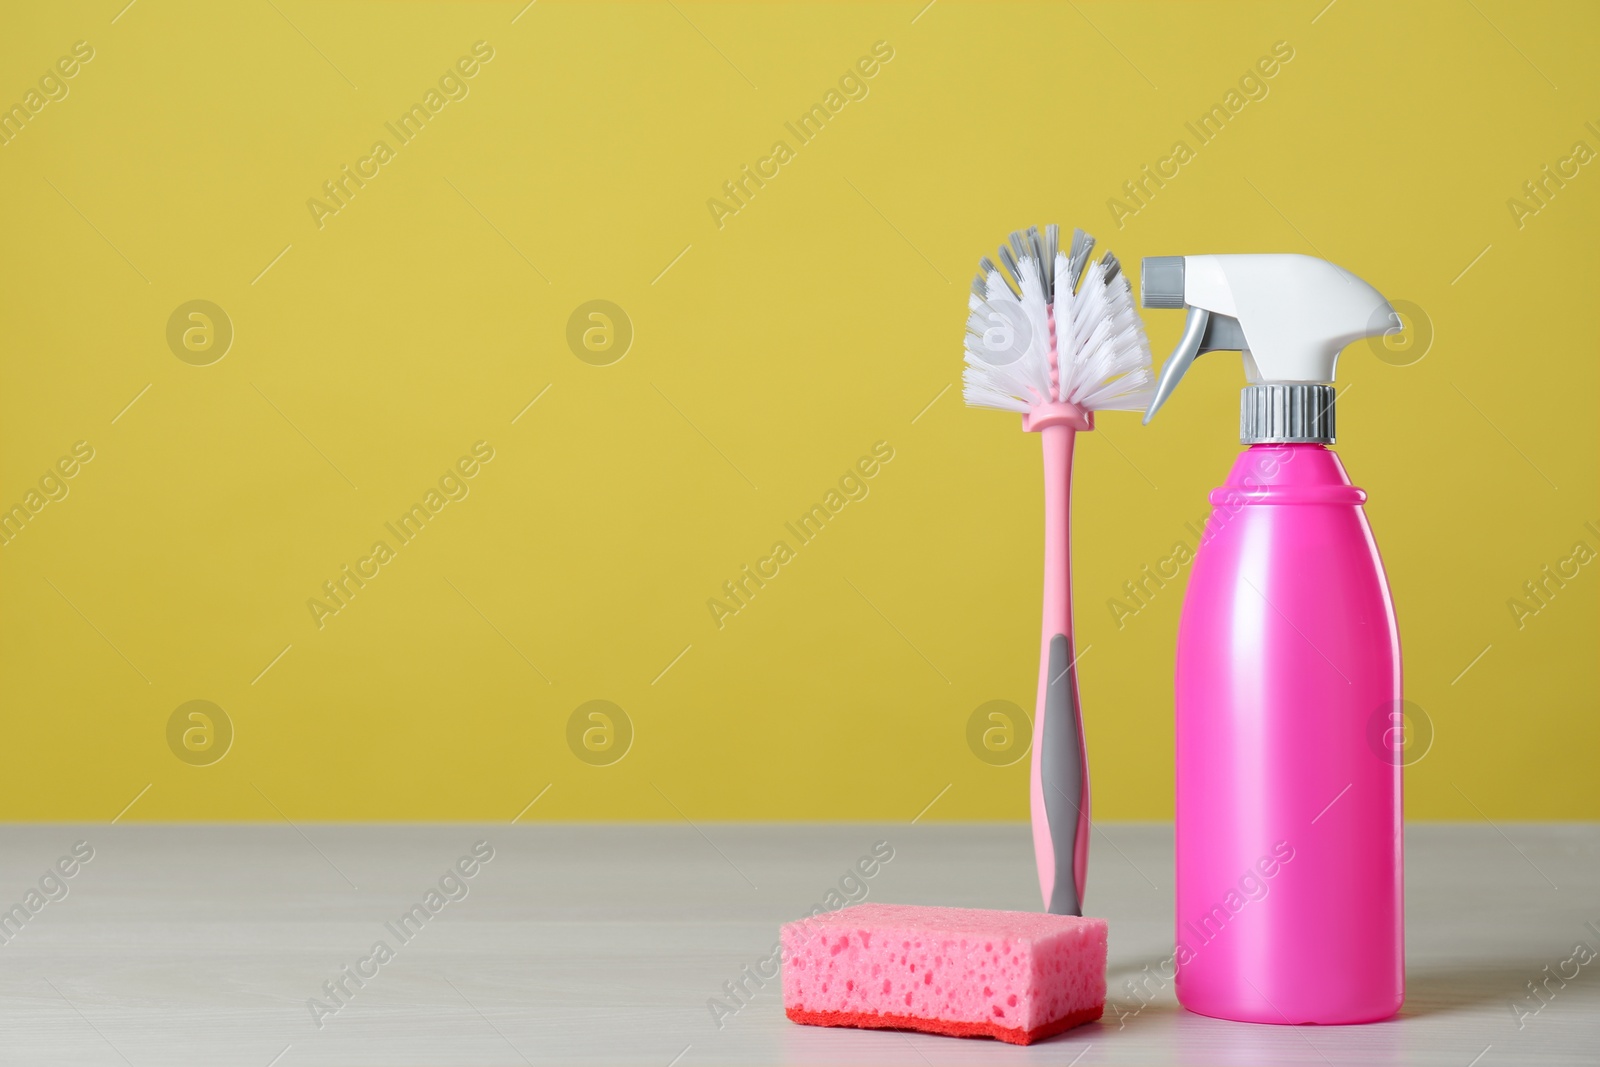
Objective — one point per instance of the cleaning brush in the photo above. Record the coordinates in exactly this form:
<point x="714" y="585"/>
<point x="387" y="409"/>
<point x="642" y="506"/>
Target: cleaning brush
<point x="1056" y="338"/>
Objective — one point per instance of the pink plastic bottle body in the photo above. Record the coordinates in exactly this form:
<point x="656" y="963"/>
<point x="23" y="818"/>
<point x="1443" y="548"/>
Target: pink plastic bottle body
<point x="1290" y="901"/>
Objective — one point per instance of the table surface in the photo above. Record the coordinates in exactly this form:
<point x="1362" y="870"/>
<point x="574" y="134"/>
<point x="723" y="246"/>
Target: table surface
<point x="607" y="944"/>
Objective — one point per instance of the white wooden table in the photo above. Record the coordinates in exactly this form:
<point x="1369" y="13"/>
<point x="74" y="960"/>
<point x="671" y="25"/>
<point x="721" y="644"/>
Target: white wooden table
<point x="605" y="944"/>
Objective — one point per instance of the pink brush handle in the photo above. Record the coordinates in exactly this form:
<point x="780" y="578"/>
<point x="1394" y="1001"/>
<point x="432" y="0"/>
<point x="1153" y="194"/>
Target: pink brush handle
<point x="1059" y="785"/>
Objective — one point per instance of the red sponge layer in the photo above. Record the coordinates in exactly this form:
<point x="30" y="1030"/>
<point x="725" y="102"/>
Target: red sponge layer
<point x="1016" y="976"/>
<point x="864" y="1021"/>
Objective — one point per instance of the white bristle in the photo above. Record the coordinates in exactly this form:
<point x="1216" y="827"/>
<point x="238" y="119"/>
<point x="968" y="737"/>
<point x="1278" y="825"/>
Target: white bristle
<point x="1102" y="355"/>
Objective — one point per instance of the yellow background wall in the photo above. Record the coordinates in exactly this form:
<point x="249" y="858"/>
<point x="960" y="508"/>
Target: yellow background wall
<point x="769" y="354"/>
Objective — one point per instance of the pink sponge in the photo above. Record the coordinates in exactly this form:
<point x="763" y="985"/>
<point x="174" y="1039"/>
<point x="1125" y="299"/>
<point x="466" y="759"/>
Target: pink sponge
<point x="1016" y="975"/>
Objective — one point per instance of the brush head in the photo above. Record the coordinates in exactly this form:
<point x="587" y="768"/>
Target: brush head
<point x="1054" y="328"/>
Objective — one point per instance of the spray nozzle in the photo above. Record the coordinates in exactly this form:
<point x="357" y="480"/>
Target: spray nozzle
<point x="1290" y="316"/>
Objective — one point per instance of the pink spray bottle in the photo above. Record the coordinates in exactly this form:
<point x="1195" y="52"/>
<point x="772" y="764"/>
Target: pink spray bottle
<point x="1290" y="903"/>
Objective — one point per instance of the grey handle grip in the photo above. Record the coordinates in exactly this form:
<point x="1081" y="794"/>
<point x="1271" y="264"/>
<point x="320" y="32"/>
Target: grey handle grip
<point x="1064" y="779"/>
